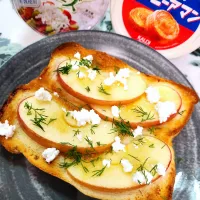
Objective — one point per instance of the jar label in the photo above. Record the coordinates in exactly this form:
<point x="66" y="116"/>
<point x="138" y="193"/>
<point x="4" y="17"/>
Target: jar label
<point x="161" y="24"/>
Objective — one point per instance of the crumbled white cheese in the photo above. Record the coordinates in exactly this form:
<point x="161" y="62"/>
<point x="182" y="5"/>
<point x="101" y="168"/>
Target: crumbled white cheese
<point x="161" y="170"/>
<point x="120" y="76"/>
<point x="6" y="129"/>
<point x="142" y="177"/>
<point x="117" y="145"/>
<point x="89" y="57"/>
<point x="165" y="110"/>
<point x="153" y="95"/>
<point x="115" y="111"/>
<point x="81" y="75"/>
<point x="124" y="73"/>
<point x="138" y="131"/>
<point x="56" y="94"/>
<point x="43" y="95"/>
<point x="94" y="118"/>
<point x="138" y="72"/>
<point x="50" y="154"/>
<point x="84" y="116"/>
<point x="123" y="81"/>
<point x="89" y="138"/>
<point x="127" y="166"/>
<point x="110" y="80"/>
<point x="106" y="162"/>
<point x="64" y="109"/>
<point x="79" y="137"/>
<point x="77" y="55"/>
<point x="92" y="74"/>
<point x="75" y="65"/>
<point x="136" y="146"/>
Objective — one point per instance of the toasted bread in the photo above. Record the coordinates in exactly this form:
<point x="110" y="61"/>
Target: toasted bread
<point x="32" y="149"/>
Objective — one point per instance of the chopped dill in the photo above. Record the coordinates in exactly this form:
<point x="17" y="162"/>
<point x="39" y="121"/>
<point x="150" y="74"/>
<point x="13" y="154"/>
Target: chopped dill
<point x="39" y="118"/>
<point x="87" y="89"/>
<point x="102" y="90"/>
<point x="99" y="172"/>
<point x="92" y="128"/>
<point x="65" y="69"/>
<point x="143" y="114"/>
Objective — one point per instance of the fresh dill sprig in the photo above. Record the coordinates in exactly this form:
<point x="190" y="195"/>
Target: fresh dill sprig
<point x="76" y="132"/>
<point x="143" y="114"/>
<point x="134" y="157"/>
<point x="84" y="168"/>
<point x="39" y="117"/>
<point x="72" y="104"/>
<point x="116" y="69"/>
<point x="102" y="90"/>
<point x="85" y="62"/>
<point x="92" y="128"/>
<point x="99" y="144"/>
<point x="145" y="176"/>
<point x="96" y="68"/>
<point x="151" y="146"/>
<point x="140" y="141"/>
<point x="65" y="69"/>
<point x="77" y="158"/>
<point x="153" y="171"/>
<point x="78" y="73"/>
<point x="152" y="130"/>
<point x="122" y="127"/>
<point x="92" y="161"/>
<point x="65" y="143"/>
<point x="87" y="89"/>
<point x="163" y="146"/>
<point x="142" y="166"/>
<point x="72" y="154"/>
<point x="181" y="112"/>
<point x="99" y="172"/>
<point x="67" y="113"/>
<point x="51" y="120"/>
<point x="89" y="142"/>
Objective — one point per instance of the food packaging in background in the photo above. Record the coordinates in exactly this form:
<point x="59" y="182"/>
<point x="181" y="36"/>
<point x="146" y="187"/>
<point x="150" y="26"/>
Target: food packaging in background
<point x="49" y="17"/>
<point x="169" y="26"/>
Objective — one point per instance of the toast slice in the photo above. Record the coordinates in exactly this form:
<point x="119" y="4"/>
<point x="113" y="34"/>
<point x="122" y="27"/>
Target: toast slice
<point x="32" y="149"/>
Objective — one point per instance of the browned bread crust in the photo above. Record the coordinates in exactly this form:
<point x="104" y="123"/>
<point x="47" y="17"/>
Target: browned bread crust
<point x="22" y="143"/>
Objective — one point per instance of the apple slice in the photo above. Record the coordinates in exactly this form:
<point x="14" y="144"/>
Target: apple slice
<point x="47" y="124"/>
<point x="144" y="153"/>
<point x="128" y="113"/>
<point x="114" y="94"/>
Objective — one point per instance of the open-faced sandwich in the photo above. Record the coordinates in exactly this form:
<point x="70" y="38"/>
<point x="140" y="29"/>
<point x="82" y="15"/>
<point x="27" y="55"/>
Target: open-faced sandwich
<point x="99" y="124"/>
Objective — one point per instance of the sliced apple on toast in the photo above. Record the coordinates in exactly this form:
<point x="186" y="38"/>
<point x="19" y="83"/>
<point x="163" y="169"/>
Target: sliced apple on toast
<point x="148" y="157"/>
<point x="91" y="174"/>
<point x="141" y="112"/>
<point x="106" y="87"/>
<point x="47" y="123"/>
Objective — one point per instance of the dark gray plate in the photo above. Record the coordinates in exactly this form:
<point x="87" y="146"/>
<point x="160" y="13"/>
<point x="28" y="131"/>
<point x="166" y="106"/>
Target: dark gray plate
<point x="21" y="181"/>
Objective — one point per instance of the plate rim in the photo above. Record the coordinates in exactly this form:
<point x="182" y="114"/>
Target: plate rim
<point x="150" y="50"/>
